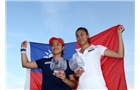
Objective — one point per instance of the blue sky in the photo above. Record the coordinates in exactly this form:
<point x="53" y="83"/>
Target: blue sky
<point x="38" y="21"/>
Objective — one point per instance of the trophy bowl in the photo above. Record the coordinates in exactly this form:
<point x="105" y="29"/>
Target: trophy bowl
<point x="57" y="66"/>
<point x="76" y="64"/>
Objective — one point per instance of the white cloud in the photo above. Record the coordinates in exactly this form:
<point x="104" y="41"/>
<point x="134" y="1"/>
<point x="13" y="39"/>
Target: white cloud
<point x="54" y="8"/>
<point x="129" y="53"/>
<point x="9" y="46"/>
<point x="13" y="37"/>
<point x="15" y="89"/>
<point x="53" y="19"/>
<point x="14" y="82"/>
<point x="129" y="59"/>
<point x="15" y="34"/>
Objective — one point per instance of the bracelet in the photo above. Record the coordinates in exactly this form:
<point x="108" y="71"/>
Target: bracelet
<point x="23" y="50"/>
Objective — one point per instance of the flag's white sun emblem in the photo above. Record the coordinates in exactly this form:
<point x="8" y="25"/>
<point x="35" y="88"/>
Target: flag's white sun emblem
<point x="48" y="54"/>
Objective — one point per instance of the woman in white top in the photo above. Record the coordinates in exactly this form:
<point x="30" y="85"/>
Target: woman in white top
<point x="91" y="78"/>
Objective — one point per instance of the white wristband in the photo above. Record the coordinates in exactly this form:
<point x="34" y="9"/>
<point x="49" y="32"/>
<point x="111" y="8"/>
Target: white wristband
<point x="23" y="50"/>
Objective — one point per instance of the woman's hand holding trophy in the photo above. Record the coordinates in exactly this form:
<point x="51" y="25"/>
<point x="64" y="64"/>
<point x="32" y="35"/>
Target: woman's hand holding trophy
<point x="77" y="65"/>
<point x="58" y="68"/>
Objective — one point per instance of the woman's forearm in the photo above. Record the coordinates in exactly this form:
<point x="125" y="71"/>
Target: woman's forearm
<point x="70" y="83"/>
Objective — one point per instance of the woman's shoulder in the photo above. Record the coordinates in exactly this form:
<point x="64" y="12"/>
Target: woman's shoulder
<point x="75" y="54"/>
<point x="99" y="46"/>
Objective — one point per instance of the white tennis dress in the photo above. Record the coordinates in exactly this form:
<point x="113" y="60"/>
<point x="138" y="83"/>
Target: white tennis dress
<point x="92" y="78"/>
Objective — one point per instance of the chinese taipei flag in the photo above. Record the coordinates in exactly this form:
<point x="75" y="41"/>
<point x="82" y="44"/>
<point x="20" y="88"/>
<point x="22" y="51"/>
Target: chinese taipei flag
<point x="112" y="68"/>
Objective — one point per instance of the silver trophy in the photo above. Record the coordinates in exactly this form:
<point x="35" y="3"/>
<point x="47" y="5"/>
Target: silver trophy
<point x="76" y="63"/>
<point x="57" y="66"/>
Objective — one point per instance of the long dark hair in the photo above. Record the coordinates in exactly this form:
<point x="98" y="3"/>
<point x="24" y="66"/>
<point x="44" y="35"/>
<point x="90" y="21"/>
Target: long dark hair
<point x="62" y="53"/>
<point x="83" y="29"/>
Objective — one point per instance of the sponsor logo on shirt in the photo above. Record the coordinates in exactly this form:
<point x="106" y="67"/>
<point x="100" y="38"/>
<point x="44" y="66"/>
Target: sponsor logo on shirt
<point x="91" y="49"/>
<point x="47" y="62"/>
